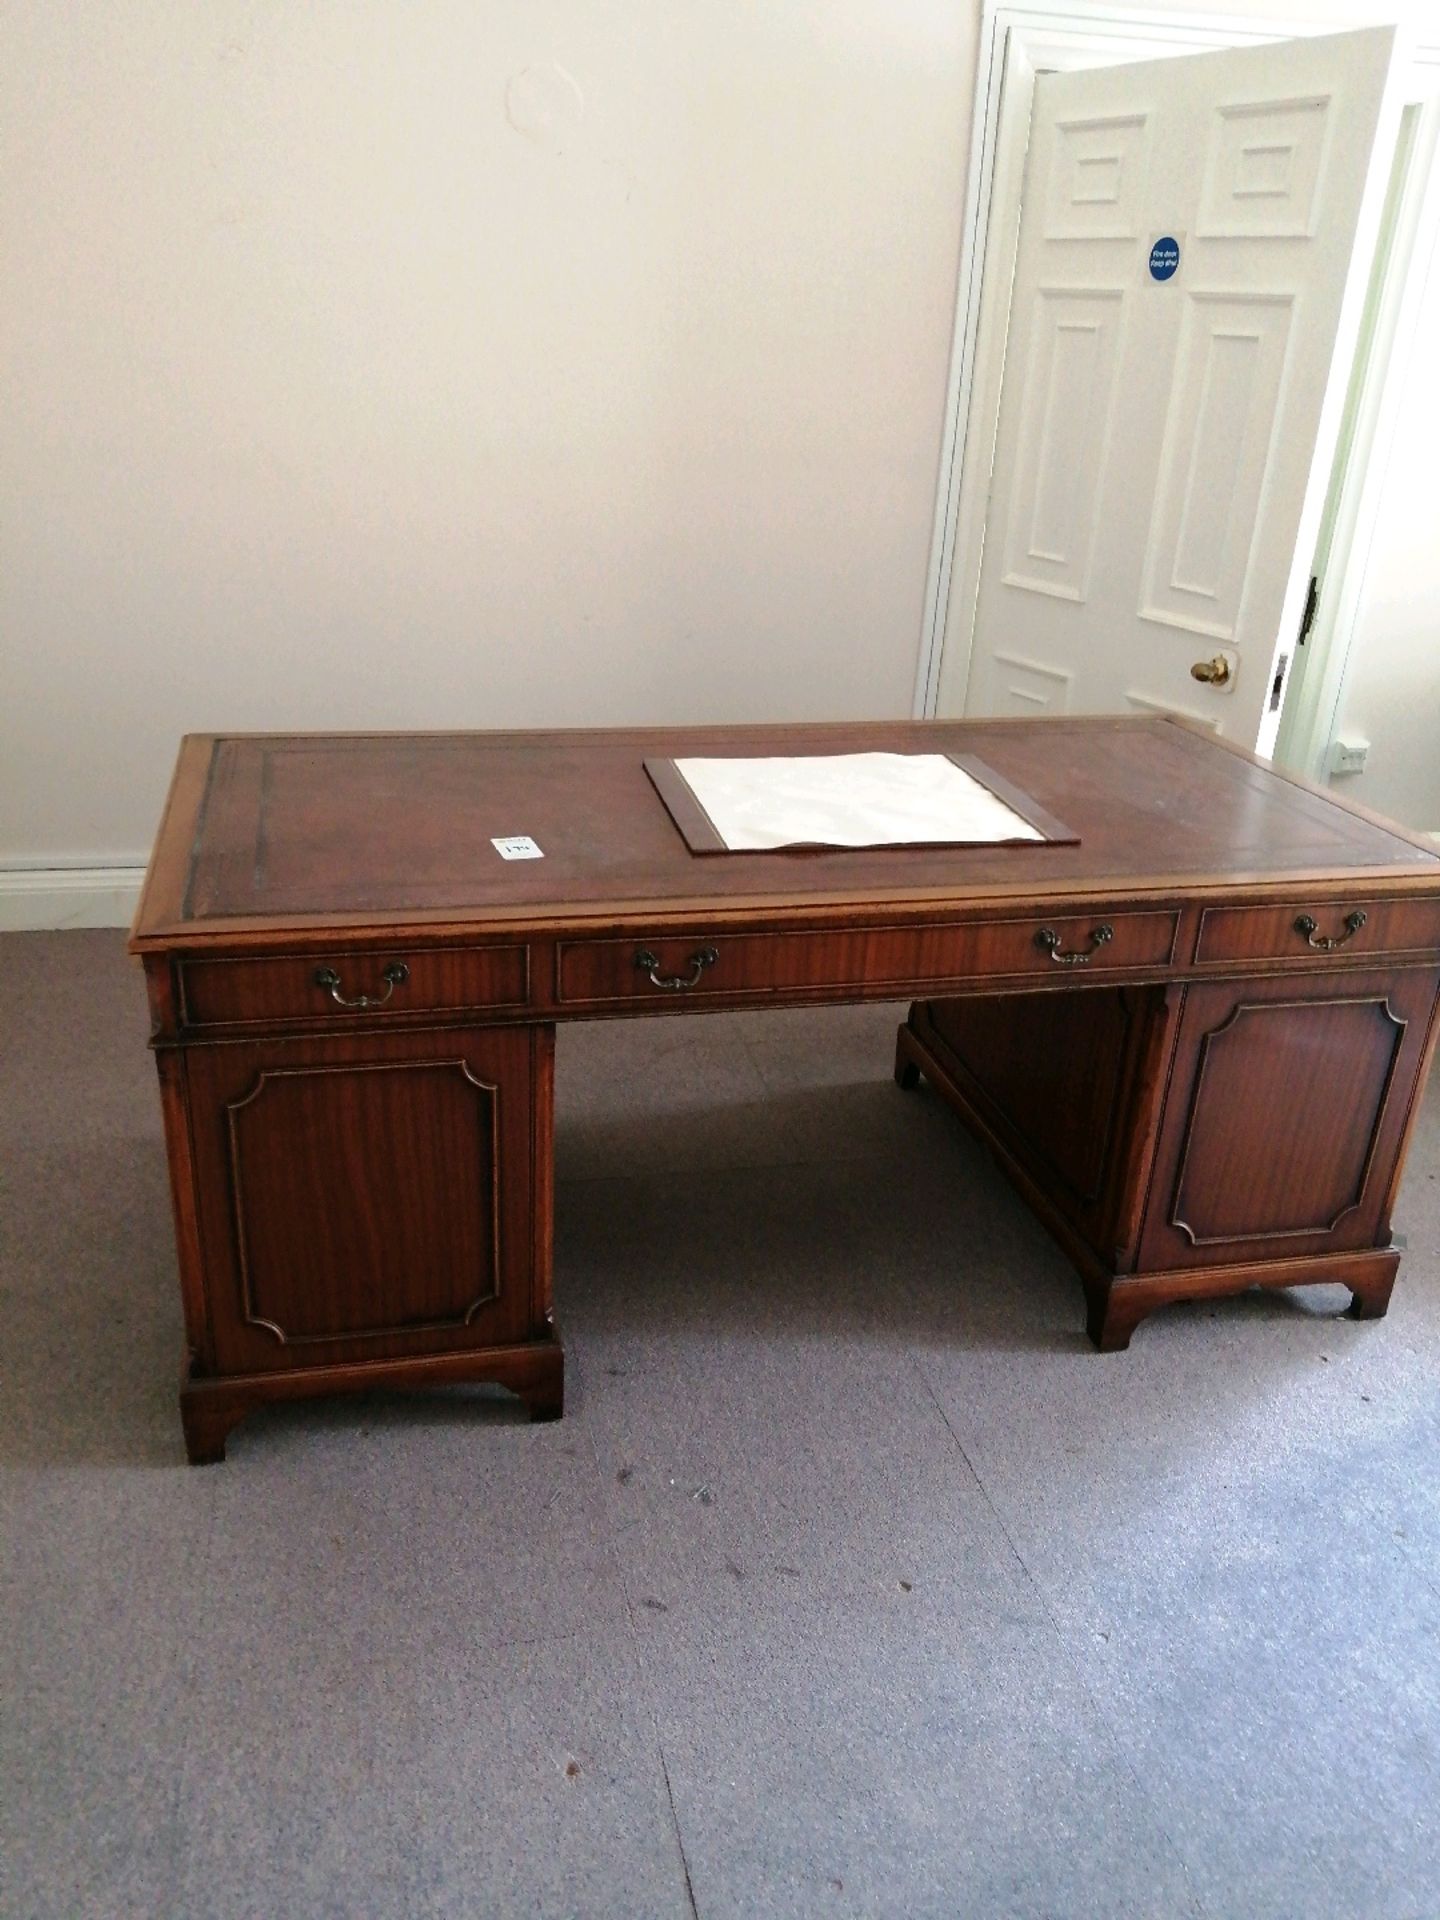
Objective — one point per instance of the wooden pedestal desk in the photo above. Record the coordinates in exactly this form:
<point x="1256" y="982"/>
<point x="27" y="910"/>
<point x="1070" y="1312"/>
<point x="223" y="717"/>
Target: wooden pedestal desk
<point x="1195" y="1041"/>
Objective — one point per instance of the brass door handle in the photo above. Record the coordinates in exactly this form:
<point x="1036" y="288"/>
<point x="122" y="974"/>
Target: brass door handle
<point x="1215" y="673"/>
<point x="649" y="964"/>
<point x="395" y="975"/>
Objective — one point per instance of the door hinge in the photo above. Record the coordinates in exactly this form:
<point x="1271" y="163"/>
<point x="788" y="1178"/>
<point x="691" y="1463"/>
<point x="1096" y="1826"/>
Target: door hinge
<point x="1307" y="619"/>
<point x="1277" y="685"/>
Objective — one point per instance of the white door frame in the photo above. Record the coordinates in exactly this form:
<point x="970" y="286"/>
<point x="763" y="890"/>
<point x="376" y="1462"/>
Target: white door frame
<point x="1019" y="38"/>
<point x="1311" y="714"/>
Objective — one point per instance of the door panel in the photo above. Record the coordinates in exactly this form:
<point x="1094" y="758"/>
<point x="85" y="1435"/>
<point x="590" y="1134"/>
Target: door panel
<point x="1096" y="176"/>
<point x="1287" y="1105"/>
<point x="367" y="1197"/>
<point x="1053" y="521"/>
<point x="1201" y="545"/>
<point x="1163" y="443"/>
<point x="1262" y="171"/>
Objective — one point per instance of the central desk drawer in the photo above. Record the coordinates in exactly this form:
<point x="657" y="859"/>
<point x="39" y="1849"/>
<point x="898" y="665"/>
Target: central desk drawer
<point x="333" y="986"/>
<point x="669" y="968"/>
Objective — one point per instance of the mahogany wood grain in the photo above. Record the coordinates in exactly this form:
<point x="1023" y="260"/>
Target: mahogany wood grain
<point x="597" y="971"/>
<point x="250" y="991"/>
<point x="1133" y="1164"/>
<point x="187" y="1180"/>
<point x="1116" y="1306"/>
<point x="334" y="832"/>
<point x="1392" y="927"/>
<point x="363" y="1195"/>
<point x="167" y="876"/>
<point x="368" y="1196"/>
<point x="211" y="1407"/>
<point x="1327" y="793"/>
<point x="1056" y="1068"/>
<point x="1055" y="1075"/>
<point x="541" y="1086"/>
<point x="1116" y="1301"/>
<point x="1288" y="1106"/>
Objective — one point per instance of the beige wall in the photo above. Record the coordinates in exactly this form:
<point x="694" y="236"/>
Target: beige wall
<point x="519" y="363"/>
<point x="444" y="363"/>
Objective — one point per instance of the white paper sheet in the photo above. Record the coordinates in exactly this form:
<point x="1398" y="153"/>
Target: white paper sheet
<point x="849" y="800"/>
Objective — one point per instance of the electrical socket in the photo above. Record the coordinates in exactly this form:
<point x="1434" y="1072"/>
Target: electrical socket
<point x="1348" y="755"/>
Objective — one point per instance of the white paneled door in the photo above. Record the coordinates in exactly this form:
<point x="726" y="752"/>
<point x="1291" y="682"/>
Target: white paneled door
<point x="1172" y="383"/>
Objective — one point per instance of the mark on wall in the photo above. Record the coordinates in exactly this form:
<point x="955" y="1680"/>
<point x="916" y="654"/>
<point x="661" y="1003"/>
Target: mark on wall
<point x="544" y="103"/>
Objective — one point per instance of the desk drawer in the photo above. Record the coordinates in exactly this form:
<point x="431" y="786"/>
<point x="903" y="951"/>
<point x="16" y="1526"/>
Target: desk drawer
<point x="1276" y="933"/>
<point x="694" y="966"/>
<point x="434" y="980"/>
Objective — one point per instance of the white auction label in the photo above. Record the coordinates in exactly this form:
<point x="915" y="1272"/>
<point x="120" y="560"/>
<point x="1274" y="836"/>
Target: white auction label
<point x="517" y="846"/>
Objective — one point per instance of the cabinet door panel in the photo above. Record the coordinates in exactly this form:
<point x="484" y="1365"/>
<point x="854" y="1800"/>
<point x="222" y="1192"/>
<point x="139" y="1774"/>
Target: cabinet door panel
<point x="368" y="1197"/>
<point x="1286" y="1111"/>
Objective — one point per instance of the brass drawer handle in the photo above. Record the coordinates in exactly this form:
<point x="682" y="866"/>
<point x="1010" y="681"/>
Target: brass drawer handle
<point x="1049" y="942"/>
<point x="1328" y="942"/>
<point x="395" y="975"/>
<point x="676" y="982"/>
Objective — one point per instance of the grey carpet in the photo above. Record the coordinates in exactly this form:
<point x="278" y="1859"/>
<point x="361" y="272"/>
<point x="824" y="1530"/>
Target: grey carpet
<point x="854" y="1582"/>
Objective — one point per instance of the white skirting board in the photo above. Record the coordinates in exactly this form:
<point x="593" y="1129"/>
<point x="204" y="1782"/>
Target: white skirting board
<point x="33" y="899"/>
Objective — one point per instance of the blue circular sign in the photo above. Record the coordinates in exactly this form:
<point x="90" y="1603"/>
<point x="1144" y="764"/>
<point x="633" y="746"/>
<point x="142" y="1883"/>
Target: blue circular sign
<point x="1164" y="257"/>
